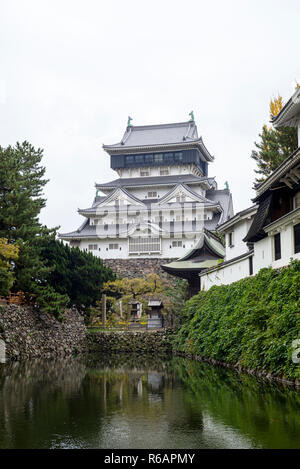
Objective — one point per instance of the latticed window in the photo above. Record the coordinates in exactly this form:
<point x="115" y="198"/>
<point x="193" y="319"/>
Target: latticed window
<point x="164" y="172"/>
<point x="176" y="244"/>
<point x="113" y="246"/>
<point x="145" y="244"/>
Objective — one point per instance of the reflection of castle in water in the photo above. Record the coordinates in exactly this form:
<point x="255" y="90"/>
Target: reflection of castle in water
<point x="80" y="401"/>
<point x="140" y="383"/>
<point x="155" y="382"/>
<point x="141" y="402"/>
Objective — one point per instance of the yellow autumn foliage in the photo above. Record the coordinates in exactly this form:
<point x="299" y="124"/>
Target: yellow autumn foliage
<point x="8" y="252"/>
<point x="276" y="105"/>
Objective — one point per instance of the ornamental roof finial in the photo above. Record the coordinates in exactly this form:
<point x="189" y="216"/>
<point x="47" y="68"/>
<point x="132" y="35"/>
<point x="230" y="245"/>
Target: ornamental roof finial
<point x="129" y="121"/>
<point x="226" y="185"/>
<point x="192" y="116"/>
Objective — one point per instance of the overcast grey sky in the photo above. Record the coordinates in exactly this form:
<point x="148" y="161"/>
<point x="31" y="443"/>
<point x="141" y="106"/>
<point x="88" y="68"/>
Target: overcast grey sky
<point x="72" y="71"/>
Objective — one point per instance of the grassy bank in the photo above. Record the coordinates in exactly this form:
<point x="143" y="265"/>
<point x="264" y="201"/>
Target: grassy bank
<point x="252" y="322"/>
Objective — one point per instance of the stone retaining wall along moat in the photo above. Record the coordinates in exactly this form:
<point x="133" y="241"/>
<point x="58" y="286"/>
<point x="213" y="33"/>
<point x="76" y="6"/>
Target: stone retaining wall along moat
<point x="26" y="333"/>
<point x="131" y="342"/>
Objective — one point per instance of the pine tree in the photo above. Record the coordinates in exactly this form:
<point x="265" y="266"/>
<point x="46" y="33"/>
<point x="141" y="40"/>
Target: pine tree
<point x="21" y="200"/>
<point x="275" y="145"/>
<point x="75" y="273"/>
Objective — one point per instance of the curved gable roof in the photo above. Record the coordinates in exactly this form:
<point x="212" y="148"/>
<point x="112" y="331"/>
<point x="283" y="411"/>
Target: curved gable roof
<point x="188" y="191"/>
<point x="111" y="197"/>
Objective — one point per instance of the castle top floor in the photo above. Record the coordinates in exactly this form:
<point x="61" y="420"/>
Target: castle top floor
<point x="166" y="146"/>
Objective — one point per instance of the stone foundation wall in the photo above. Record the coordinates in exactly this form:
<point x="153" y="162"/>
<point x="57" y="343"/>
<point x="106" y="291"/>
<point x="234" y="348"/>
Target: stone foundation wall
<point x="26" y="333"/>
<point x="131" y="342"/>
<point x="132" y="268"/>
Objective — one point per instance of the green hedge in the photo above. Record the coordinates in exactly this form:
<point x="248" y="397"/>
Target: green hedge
<point x="252" y="322"/>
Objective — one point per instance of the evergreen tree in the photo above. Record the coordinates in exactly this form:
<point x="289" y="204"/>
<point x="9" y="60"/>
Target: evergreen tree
<point x="275" y="145"/>
<point x="21" y="200"/>
<point x="50" y="272"/>
<point x="75" y="273"/>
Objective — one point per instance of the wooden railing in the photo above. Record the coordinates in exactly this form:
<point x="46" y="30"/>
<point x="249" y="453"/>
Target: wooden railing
<point x="13" y="298"/>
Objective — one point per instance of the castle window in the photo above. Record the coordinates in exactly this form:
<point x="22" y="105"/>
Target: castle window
<point x="297" y="238"/>
<point x="113" y="246"/>
<point x="130" y="159"/>
<point x="158" y="158"/>
<point x="250" y="265"/>
<point x="144" y="173"/>
<point x="176" y="244"/>
<point x="169" y="157"/>
<point x="230" y="239"/>
<point x="152" y="195"/>
<point x="93" y="247"/>
<point x="164" y="172"/>
<point x="178" y="156"/>
<point x="148" y="158"/>
<point x="144" y="244"/>
<point x="277" y="247"/>
<point x="139" y="158"/>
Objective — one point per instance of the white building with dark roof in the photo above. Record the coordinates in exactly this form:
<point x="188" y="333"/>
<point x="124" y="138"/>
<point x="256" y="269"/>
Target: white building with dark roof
<point x="268" y="233"/>
<point x="161" y="201"/>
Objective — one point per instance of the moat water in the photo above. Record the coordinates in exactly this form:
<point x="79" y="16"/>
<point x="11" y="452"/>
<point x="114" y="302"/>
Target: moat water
<point x="142" y="402"/>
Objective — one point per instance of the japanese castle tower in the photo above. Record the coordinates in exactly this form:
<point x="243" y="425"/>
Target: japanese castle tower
<point x="162" y="200"/>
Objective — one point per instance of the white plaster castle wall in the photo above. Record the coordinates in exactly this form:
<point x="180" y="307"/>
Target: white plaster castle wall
<point x="167" y="216"/>
<point x="156" y="171"/>
<point x="266" y="247"/>
<point x="226" y="275"/>
<point x="103" y="250"/>
<point x="142" y="192"/>
<point x="287" y="247"/>
<point x="262" y="254"/>
<point x="239" y="232"/>
<point x="168" y="250"/>
<point x="263" y="257"/>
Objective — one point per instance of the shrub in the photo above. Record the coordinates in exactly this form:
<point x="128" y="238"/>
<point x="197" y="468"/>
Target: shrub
<point x="252" y="322"/>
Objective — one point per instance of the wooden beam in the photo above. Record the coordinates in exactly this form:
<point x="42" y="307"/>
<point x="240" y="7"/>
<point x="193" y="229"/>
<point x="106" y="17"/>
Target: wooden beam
<point x="287" y="182"/>
<point x="296" y="171"/>
<point x="294" y="178"/>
